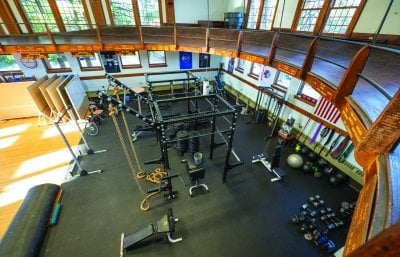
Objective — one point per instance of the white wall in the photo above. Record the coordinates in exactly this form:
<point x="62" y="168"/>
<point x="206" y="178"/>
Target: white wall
<point x="191" y="11"/>
<point x="301" y="120"/>
<point x="93" y="85"/>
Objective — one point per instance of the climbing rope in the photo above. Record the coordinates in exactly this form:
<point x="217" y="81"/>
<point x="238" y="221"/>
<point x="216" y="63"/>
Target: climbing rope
<point x="145" y="204"/>
<point x="141" y="173"/>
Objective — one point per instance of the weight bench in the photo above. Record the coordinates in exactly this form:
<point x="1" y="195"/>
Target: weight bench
<point x="271" y="167"/>
<point x="196" y="172"/>
<point x="165" y="225"/>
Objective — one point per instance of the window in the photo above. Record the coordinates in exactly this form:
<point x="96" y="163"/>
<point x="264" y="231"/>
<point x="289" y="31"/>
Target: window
<point x="73" y="14"/>
<point x="156" y="58"/>
<point x="340" y="16"/>
<point x="8" y="63"/>
<point x="307" y="94"/>
<point x="90" y="62"/>
<point x="268" y="14"/>
<point x="38" y="13"/>
<point x="309" y="15"/>
<point x="57" y="63"/>
<point x="122" y="12"/>
<point x="149" y="12"/>
<point x="131" y="61"/>
<point x="282" y="80"/>
<point x="240" y="65"/>
<point x="255" y="70"/>
<point x="253" y="14"/>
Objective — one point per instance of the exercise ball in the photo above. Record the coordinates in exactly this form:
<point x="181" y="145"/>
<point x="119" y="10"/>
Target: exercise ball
<point x="307" y="167"/>
<point x="295" y="161"/>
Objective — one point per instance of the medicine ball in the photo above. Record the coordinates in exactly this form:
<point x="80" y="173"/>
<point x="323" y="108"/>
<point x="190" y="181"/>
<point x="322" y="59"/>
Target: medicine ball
<point x="304" y="151"/>
<point x="307" y="167"/>
<point x="322" y="162"/>
<point x="312" y="156"/>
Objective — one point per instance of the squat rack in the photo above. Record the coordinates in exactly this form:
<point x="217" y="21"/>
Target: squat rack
<point x="160" y="122"/>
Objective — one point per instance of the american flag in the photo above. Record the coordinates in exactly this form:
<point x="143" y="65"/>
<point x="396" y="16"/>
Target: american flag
<point x="327" y="110"/>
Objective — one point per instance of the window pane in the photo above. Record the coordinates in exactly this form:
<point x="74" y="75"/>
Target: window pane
<point x="308" y="19"/>
<point x="130" y="60"/>
<point x="38" y="12"/>
<point x="253" y="14"/>
<point x="156" y="57"/>
<point x="340" y="16"/>
<point x="122" y="11"/>
<point x="90" y="61"/>
<point x="283" y="80"/>
<point x="57" y="61"/>
<point x="268" y="14"/>
<point x="149" y="12"/>
<point x="255" y="69"/>
<point x="308" y="93"/>
<point x="8" y="63"/>
<point x="73" y="14"/>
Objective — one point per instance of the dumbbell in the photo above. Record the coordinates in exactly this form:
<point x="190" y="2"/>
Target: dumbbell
<point x="316" y="201"/>
<point x="334" y="219"/>
<point x="326" y="219"/>
<point x="306" y="207"/>
<point x="325" y="211"/>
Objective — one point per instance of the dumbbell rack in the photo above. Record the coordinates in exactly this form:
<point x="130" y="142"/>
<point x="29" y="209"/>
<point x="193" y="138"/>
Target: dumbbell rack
<point x="315" y="220"/>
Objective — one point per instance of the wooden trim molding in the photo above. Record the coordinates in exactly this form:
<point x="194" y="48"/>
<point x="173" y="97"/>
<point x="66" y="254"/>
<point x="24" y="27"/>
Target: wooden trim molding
<point x="23" y="16"/>
<point x="355" y="18"/>
<point x="57" y="15"/>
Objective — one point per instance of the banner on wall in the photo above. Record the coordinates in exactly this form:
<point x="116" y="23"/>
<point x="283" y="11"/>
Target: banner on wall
<point x="110" y="62"/>
<point x="204" y="60"/>
<point x="231" y="65"/>
<point x="263" y="79"/>
<point x="327" y="110"/>
<point x="185" y="60"/>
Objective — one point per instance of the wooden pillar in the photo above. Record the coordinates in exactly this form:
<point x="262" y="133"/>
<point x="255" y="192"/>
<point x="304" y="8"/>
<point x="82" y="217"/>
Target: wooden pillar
<point x="272" y="50"/>
<point x="350" y="77"/>
<point x="170" y="12"/>
<point x="308" y="61"/>
<point x="386" y="243"/>
<point x="7" y="17"/>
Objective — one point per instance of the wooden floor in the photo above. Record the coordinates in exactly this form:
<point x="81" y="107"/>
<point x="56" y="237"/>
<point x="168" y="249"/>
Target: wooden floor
<point x="30" y="155"/>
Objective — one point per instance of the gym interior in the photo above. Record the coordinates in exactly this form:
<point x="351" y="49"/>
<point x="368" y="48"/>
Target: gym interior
<point x="245" y="128"/>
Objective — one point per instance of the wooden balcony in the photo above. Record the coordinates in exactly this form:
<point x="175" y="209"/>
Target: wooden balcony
<point x="362" y="80"/>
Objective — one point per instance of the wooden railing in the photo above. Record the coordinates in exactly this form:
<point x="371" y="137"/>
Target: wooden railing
<point x="362" y="80"/>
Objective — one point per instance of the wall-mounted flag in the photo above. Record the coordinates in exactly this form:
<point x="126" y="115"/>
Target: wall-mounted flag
<point x="327" y="110"/>
<point x="185" y="60"/>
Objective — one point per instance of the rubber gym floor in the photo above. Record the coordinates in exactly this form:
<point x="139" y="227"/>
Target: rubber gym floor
<point x="247" y="216"/>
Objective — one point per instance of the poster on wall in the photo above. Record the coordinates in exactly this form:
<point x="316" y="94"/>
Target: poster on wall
<point x="110" y="62"/>
<point x="265" y="74"/>
<point x="204" y="60"/>
<point x="185" y="60"/>
<point x="231" y="65"/>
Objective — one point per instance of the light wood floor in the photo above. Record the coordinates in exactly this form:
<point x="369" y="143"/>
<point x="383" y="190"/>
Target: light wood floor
<point x="30" y="155"/>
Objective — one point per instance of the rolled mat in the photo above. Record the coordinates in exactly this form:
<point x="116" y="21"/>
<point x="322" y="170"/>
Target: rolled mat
<point x="315" y="135"/>
<point x="25" y="235"/>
